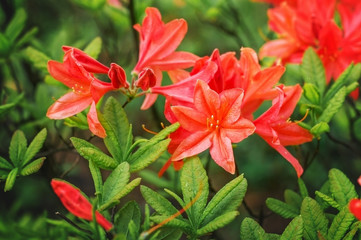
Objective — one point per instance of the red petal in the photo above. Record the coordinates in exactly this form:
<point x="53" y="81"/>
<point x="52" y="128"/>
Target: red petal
<point x="176" y="60"/>
<point x="222" y="152"/>
<point x="205" y="99"/>
<point x="117" y="76"/>
<point x="190" y="119"/>
<point x="239" y="130"/>
<point x="231" y="101"/>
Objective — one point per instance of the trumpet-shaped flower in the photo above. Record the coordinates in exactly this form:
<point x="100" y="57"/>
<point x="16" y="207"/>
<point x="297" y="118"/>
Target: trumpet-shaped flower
<point x="276" y="129"/>
<point x="76" y="72"/>
<point x="214" y="122"/>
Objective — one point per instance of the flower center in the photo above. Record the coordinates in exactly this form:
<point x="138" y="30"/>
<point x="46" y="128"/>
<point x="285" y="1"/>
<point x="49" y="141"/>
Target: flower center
<point x="78" y="89"/>
<point x="212" y="123"/>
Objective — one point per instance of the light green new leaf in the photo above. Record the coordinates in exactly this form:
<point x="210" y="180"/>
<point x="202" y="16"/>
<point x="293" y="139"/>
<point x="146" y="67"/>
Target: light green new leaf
<point x="17" y="149"/>
<point x="79" y="121"/>
<point x="32" y="167"/>
<point x="129" y="212"/>
<point x="341" y="187"/>
<point x="320" y="128"/>
<point x="94" y="48"/>
<point x="147" y="154"/>
<point x="38" y="59"/>
<point x="294" y="230"/>
<point x="97" y="179"/>
<point x="340" y="224"/>
<point x="194" y="179"/>
<point x="333" y="106"/>
<point x="4" y="164"/>
<point x="310" y="91"/>
<point x="292" y="198"/>
<point x="328" y="200"/>
<point x="281" y="208"/>
<point x="35" y="146"/>
<point x="116" y="125"/>
<point x="313" y="71"/>
<point x="314" y="219"/>
<point x="10" y="180"/>
<point x="16" y="25"/>
<point x="160" y="204"/>
<point x="218" y="222"/>
<point x="227" y="199"/>
<point x="251" y="230"/>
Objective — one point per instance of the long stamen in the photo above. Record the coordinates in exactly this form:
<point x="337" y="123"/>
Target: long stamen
<point x="147" y="130"/>
<point x="304" y="117"/>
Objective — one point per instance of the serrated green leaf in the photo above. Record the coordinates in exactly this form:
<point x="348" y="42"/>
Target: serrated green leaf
<point x="328" y="200"/>
<point x="340" y="224"/>
<point x="17" y="149"/>
<point x="97" y="179"/>
<point x="10" y="180"/>
<point x="311" y="93"/>
<point x="4" y="164"/>
<point x="6" y="107"/>
<point x="32" y="167"/>
<point x="292" y="198"/>
<point x="94" y="48"/>
<point x="38" y="59"/>
<point x="229" y="198"/>
<point x="169" y="234"/>
<point x="302" y="187"/>
<point x="333" y="106"/>
<point x="272" y="236"/>
<point x="320" y="128"/>
<point x="194" y="179"/>
<point x="314" y="219"/>
<point x="26" y="37"/>
<point x="129" y="212"/>
<point x="116" y="124"/>
<point x="354" y="228"/>
<point x="350" y="88"/>
<point x="160" y="204"/>
<point x="35" y="146"/>
<point x="116" y="181"/>
<point x="91" y="152"/>
<point x="251" y="230"/>
<point x="283" y="209"/>
<point x="16" y="25"/>
<point x="341" y="187"/>
<point x="313" y="71"/>
<point x="147" y="154"/>
<point x="175" y="196"/>
<point x="174" y="223"/>
<point x="218" y="222"/>
<point x="294" y="230"/>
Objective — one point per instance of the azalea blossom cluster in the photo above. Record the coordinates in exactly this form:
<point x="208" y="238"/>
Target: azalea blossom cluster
<point x="214" y="103"/>
<point x="313" y="23"/>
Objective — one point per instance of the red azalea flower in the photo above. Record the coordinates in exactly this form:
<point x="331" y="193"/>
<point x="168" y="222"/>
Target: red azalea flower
<point x="76" y="203"/>
<point x="76" y="72"/>
<point x="276" y="129"/>
<point x="214" y="122"/>
<point x="158" y="42"/>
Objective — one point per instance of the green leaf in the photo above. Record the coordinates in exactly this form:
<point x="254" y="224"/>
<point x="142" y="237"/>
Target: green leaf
<point x="328" y="200"/>
<point x="94" y="48"/>
<point x="165" y="132"/>
<point x="32" y="167"/>
<point x="251" y="230"/>
<point x="311" y="93"/>
<point x="129" y="212"/>
<point x="292" y="198"/>
<point x="313" y="71"/>
<point x="79" y="121"/>
<point x="333" y="106"/>
<point x="169" y="234"/>
<point x="218" y="222"/>
<point x="26" y="37"/>
<point x="194" y="179"/>
<point x="320" y="128"/>
<point x="175" y="196"/>
<point x="115" y="182"/>
<point x="303" y="188"/>
<point x="38" y="59"/>
<point x="174" y="223"/>
<point x="340" y="224"/>
<point x="147" y="154"/>
<point x="116" y="125"/>
<point x="357" y="128"/>
<point x="17" y="148"/>
<point x="294" y="230"/>
<point x="283" y="209"/>
<point x="16" y="25"/>
<point x="6" y="107"/>
<point x="91" y="152"/>
<point x="35" y="146"/>
<point x="341" y="187"/>
<point x="5" y="46"/>
<point x="90" y="4"/>
<point x="354" y="228"/>
<point x="10" y="180"/>
<point x="4" y="164"/>
<point x="229" y="198"/>
<point x="314" y="219"/>
<point x="160" y="204"/>
<point x="97" y="178"/>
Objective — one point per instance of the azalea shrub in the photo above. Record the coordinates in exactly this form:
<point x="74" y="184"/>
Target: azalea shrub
<point x="180" y="119"/>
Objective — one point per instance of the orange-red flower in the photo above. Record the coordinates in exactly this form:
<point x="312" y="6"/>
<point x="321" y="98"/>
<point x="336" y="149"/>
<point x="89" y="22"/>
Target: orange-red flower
<point x="214" y="122"/>
<point x="276" y="129"/>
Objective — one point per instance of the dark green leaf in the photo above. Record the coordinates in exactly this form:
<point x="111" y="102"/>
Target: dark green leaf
<point x="292" y="198"/>
<point x="94" y="48"/>
<point x="4" y="164"/>
<point x="314" y="219"/>
<point x="354" y="228"/>
<point x="169" y="234"/>
<point x="194" y="180"/>
<point x="218" y="222"/>
<point x="281" y="208"/>
<point x="5" y="46"/>
<point x="251" y="230"/>
<point x="32" y="167"/>
<point x="129" y="212"/>
<point x="341" y="187"/>
<point x="328" y="200"/>
<point x="16" y="25"/>
<point x="35" y="146"/>
<point x="17" y="149"/>
<point x="175" y="196"/>
<point x="294" y="230"/>
<point x="90" y="4"/>
<point x="229" y="198"/>
<point x="340" y="224"/>
<point x="303" y="188"/>
<point x="27" y="37"/>
<point x="10" y="180"/>
<point x="333" y="106"/>
<point x="357" y="128"/>
<point x="97" y="178"/>
<point x="6" y="107"/>
<point x="313" y="71"/>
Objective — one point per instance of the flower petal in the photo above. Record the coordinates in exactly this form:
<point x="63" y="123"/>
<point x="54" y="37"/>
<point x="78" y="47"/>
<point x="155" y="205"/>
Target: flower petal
<point x="222" y="152"/>
<point x="190" y="119"/>
<point x="239" y="130"/>
<point x="205" y="99"/>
